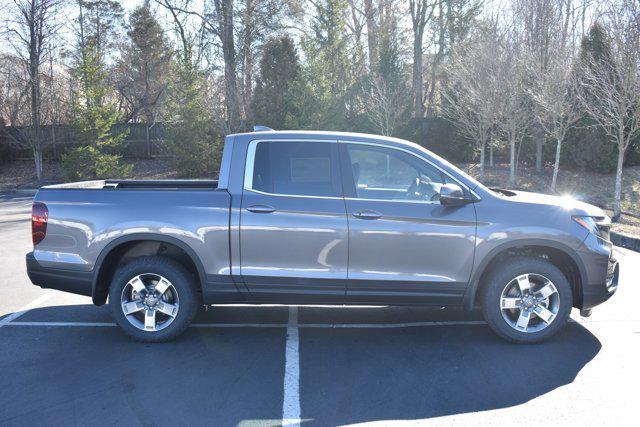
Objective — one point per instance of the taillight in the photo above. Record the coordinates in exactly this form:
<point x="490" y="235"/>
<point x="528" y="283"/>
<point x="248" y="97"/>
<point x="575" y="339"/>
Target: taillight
<point x="39" y="218"/>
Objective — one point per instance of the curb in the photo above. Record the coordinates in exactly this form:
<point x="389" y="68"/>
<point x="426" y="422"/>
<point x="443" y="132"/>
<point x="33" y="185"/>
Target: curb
<point x="626" y="241"/>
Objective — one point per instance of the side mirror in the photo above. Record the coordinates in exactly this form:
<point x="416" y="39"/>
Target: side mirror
<point x="452" y="195"/>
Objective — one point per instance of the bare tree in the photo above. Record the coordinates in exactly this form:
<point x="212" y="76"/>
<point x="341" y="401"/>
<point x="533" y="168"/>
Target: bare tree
<point x="515" y="116"/>
<point x="421" y="12"/>
<point x="14" y="91"/>
<point x="29" y="27"/>
<point x="383" y="104"/>
<point x="190" y="29"/>
<point x="615" y="84"/>
<point x="557" y="109"/>
<point x="217" y="18"/>
<point x="472" y="99"/>
<point x="453" y="22"/>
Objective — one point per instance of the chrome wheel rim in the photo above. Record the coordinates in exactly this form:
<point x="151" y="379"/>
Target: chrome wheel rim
<point x="150" y="302"/>
<point x="529" y="303"/>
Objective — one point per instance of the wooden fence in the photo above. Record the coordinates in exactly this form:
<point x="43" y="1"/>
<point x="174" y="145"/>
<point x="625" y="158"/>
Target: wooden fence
<point x="142" y="141"/>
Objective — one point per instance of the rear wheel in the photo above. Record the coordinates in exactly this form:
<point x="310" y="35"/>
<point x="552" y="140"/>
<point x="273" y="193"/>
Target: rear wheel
<point x="153" y="299"/>
<point x="526" y="300"/>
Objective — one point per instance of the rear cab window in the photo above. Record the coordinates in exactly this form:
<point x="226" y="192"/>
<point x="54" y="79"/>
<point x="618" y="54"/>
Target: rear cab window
<point x="293" y="168"/>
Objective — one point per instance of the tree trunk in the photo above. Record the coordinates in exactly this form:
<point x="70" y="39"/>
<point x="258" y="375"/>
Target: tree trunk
<point x="37" y="157"/>
<point x="53" y="141"/>
<point x="490" y="140"/>
<point x="247" y="56"/>
<point x="482" y="161"/>
<point x="512" y="163"/>
<point x="556" y="165"/>
<point x="372" y="34"/>
<point x="618" y="191"/>
<point x="539" y="154"/>
<point x="417" y="89"/>
<point x="148" y="140"/>
<point x="34" y="87"/>
<point x="225" y="26"/>
<point x="435" y="66"/>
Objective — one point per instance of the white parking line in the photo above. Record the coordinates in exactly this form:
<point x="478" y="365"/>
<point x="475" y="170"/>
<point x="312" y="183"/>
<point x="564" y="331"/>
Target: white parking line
<point x="577" y="319"/>
<point x="291" y="397"/>
<point x="275" y="325"/>
<point x="33" y="304"/>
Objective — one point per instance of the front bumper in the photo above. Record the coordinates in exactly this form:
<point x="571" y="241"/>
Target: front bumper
<point x="595" y="294"/>
<point x="73" y="281"/>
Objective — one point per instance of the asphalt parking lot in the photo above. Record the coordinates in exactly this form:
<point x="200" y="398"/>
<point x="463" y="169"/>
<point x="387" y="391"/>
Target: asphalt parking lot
<point x="63" y="362"/>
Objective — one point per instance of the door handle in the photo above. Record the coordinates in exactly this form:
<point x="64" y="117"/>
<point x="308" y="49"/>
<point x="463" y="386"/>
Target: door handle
<point x="367" y="214"/>
<point x="261" y="209"/>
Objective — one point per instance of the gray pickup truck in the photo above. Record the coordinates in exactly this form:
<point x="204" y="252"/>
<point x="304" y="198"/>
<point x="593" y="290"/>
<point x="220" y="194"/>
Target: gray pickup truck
<point x="322" y="218"/>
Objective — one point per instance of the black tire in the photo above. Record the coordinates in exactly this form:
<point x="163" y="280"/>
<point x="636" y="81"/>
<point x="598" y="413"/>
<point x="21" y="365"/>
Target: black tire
<point x="497" y="280"/>
<point x="180" y="279"/>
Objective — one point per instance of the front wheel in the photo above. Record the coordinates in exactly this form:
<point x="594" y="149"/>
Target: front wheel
<point x="153" y="299"/>
<point x="526" y="300"/>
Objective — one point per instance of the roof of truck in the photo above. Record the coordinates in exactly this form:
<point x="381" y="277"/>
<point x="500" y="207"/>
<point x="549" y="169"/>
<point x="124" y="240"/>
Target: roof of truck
<point x="319" y="134"/>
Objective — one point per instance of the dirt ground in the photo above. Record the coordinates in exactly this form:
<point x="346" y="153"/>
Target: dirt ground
<point x="588" y="186"/>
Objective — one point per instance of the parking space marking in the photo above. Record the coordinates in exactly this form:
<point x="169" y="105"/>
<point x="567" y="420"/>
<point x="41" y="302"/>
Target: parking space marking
<point x="62" y="324"/>
<point x="290" y="329"/>
<point x="271" y="325"/>
<point x="291" y="398"/>
<point x="33" y="304"/>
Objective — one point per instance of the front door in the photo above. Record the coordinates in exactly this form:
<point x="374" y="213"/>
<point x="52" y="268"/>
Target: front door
<point x="293" y="225"/>
<point x="404" y="246"/>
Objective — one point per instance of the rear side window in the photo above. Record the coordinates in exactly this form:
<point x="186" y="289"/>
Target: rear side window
<point x="294" y="168"/>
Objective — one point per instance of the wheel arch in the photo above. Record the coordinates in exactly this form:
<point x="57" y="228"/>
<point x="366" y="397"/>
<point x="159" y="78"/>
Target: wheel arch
<point x="112" y="254"/>
<point x="559" y="254"/>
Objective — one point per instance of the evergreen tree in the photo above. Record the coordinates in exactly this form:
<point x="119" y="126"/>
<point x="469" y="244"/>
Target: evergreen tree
<point x="144" y="68"/>
<point x="94" y="119"/>
<point x="281" y="98"/>
<point x="98" y="26"/>
<point x="587" y="144"/>
<point x="190" y="122"/>
<point x="328" y="65"/>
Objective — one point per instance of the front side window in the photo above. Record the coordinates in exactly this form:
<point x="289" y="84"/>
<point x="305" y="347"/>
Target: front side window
<point x="387" y="174"/>
<point x="294" y="168"/>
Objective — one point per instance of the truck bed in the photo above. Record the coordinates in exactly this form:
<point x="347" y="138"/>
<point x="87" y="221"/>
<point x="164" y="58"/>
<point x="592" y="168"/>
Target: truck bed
<point x="161" y="184"/>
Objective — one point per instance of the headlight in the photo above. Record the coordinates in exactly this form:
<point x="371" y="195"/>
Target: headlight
<point x="598" y="225"/>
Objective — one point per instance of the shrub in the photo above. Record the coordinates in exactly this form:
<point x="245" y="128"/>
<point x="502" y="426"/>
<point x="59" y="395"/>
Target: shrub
<point x="82" y="163"/>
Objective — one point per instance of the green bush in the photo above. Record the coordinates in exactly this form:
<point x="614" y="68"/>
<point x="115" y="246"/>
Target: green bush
<point x="83" y="163"/>
<point x="588" y="147"/>
<point x="190" y="125"/>
<point x="440" y="136"/>
<point x="196" y="150"/>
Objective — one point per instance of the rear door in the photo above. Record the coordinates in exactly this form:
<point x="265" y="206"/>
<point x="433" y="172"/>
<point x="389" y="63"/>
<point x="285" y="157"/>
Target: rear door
<point x="404" y="246"/>
<point x="293" y="225"/>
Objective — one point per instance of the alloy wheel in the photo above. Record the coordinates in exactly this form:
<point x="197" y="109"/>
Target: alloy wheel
<point x="150" y="302"/>
<point x="529" y="303"/>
